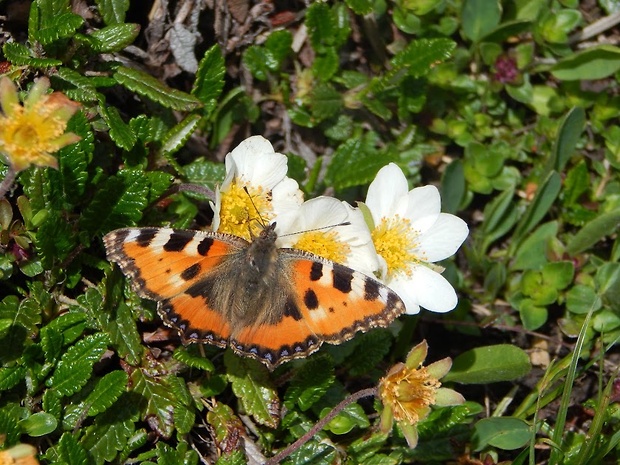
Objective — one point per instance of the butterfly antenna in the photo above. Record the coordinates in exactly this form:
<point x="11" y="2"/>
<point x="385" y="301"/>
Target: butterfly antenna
<point x="344" y="223"/>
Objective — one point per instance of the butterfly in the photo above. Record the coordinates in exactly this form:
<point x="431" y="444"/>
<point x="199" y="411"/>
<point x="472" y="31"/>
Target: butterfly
<point x="268" y="303"/>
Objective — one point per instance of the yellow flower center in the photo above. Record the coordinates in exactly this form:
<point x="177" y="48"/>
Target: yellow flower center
<point x="325" y="244"/>
<point x="409" y="392"/>
<point x="395" y="241"/>
<point x="29" y="136"/>
<point x="243" y="213"/>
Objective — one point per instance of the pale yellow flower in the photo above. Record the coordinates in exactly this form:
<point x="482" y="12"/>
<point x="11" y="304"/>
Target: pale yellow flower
<point x="32" y="132"/>
<point x="410" y="389"/>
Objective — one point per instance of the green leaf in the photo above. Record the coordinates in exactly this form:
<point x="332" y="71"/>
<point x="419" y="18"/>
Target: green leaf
<point x="82" y="88"/>
<point x="602" y="226"/>
<point x="558" y="275"/>
<point x="210" y="79"/>
<point x="73" y="160"/>
<point x="25" y="313"/>
<point x="205" y="172"/>
<point x="278" y="47"/>
<point x="608" y="281"/>
<point x="418" y="58"/>
<point x="582" y="299"/>
<point x="532" y="253"/>
<point x="351" y="416"/>
<point x="159" y="400"/>
<point x="251" y="384"/>
<point x="147" y="86"/>
<point x="489" y="364"/>
<point x="500" y="215"/>
<point x="118" y="202"/>
<point x="505" y="433"/>
<point x="355" y="162"/>
<point x="326" y="64"/>
<point x="571" y="127"/>
<point x="70" y="451"/>
<point x="51" y="343"/>
<point x="115" y="37"/>
<point x="19" y="55"/>
<point x="480" y="17"/>
<point x="124" y="334"/>
<point x="322" y="26"/>
<point x="544" y="199"/>
<point x="113" y="11"/>
<point x="371" y="349"/>
<point x="120" y="132"/>
<point x="326" y="101"/>
<point x="75" y="366"/>
<point x="360" y="7"/>
<point x="591" y="64"/>
<point x="255" y="60"/>
<point x="178" y="135"/>
<point x="183" y="408"/>
<point x="191" y="357"/>
<point x="453" y="188"/>
<point x="106" y="392"/>
<point x="38" y="424"/>
<point x="58" y="27"/>
<point x="110" y="431"/>
<point x="310" y="383"/>
<point x="11" y="376"/>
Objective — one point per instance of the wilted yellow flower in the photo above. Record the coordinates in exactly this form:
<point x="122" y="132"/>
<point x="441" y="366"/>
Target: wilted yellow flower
<point x="21" y="454"/>
<point x="29" y="134"/>
<point x="409" y="389"/>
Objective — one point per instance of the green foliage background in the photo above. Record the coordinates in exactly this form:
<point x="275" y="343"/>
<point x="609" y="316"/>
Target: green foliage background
<point x="510" y="106"/>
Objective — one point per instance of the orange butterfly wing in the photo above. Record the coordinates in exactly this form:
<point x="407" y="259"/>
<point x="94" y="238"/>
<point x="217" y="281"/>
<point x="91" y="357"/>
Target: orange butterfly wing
<point x="330" y="304"/>
<point x="163" y="263"/>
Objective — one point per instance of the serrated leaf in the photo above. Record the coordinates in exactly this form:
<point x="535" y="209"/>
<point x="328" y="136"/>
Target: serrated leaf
<point x="113" y="11"/>
<point x="51" y="343"/>
<point x="326" y="101"/>
<point x="58" y="27"/>
<point x="25" y="313"/>
<point x="310" y="383"/>
<point x="83" y="89"/>
<point x="19" y="55"/>
<point x="255" y="60"/>
<point x="205" y="173"/>
<point x="52" y="403"/>
<point x="315" y="452"/>
<point x="73" y="160"/>
<point x="11" y="376"/>
<point x="110" y="432"/>
<point x="71" y="325"/>
<point x="371" y="348"/>
<point x="251" y="384"/>
<point x="75" y="366"/>
<point x="183" y="408"/>
<point x="115" y="37"/>
<point x="178" y="135"/>
<point x="106" y="392"/>
<point x="124" y="334"/>
<point x="225" y="423"/>
<point x="321" y="23"/>
<point x="120" y="132"/>
<point x="189" y="357"/>
<point x="147" y="86"/>
<point x="354" y="163"/>
<point x="159" y="402"/>
<point x="210" y="79"/>
<point x="70" y="451"/>
<point x="118" y="202"/>
<point x="360" y="7"/>
<point x="56" y="238"/>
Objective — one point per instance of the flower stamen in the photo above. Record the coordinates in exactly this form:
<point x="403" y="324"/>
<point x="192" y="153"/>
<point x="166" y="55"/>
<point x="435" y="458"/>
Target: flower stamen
<point x="324" y="244"/>
<point x="240" y="205"/>
<point x="395" y="241"/>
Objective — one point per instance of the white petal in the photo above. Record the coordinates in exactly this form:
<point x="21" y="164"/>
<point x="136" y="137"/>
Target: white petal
<point x="216" y="206"/>
<point x="256" y="163"/>
<point x="387" y="193"/>
<point x="425" y="288"/>
<point x="424" y="206"/>
<point x="444" y="238"/>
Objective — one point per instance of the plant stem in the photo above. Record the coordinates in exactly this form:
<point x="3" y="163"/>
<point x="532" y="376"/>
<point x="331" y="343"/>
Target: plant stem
<point x="7" y="182"/>
<point x="320" y="424"/>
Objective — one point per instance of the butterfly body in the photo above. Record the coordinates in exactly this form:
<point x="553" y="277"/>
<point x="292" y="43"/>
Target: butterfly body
<point x="267" y="303"/>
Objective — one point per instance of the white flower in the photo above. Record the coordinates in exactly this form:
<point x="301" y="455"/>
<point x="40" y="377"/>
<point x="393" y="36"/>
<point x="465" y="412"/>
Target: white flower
<point x="271" y="195"/>
<point x="318" y="228"/>
<point x="410" y="234"/>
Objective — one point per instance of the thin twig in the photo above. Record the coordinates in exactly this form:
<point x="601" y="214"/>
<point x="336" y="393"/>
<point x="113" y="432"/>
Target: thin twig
<point x="320" y="425"/>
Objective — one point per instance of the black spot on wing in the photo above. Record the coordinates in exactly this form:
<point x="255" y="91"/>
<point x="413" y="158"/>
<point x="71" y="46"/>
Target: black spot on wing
<point x="371" y="289"/>
<point x="190" y="272"/>
<point x="291" y="309"/>
<point x="311" y="300"/>
<point x="342" y="278"/>
<point x="146" y="236"/>
<point x="204" y="246"/>
<point x="203" y="288"/>
<point x="178" y="240"/>
<point x="316" y="272"/>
